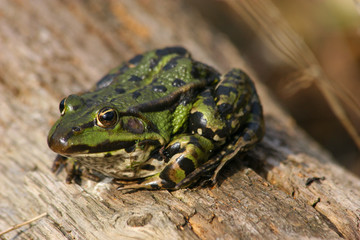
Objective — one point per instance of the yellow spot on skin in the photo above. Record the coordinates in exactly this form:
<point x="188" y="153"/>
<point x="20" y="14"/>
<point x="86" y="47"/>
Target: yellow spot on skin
<point x="216" y="137"/>
<point x="199" y="131"/>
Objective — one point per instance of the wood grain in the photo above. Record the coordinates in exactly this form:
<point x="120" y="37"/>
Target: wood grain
<point x="286" y="188"/>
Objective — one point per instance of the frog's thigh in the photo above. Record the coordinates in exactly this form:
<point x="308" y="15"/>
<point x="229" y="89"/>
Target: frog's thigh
<point x="233" y="96"/>
<point x="185" y="154"/>
<point x="239" y="104"/>
<point x="205" y="120"/>
<point x="218" y="114"/>
<point x="251" y="131"/>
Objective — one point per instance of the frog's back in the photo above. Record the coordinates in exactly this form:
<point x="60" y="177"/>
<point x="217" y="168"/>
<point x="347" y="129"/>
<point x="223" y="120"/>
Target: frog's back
<point x="153" y="80"/>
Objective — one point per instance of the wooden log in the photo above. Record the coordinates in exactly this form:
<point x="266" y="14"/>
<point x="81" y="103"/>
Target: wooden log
<point x="286" y="188"/>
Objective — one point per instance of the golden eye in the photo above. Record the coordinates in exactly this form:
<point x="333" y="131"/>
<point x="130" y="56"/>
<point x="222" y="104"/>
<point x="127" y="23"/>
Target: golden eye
<point x="62" y="107"/>
<point x="107" y="117"/>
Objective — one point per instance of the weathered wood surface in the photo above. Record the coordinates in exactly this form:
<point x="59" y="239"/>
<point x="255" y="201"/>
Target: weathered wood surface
<point x="50" y="49"/>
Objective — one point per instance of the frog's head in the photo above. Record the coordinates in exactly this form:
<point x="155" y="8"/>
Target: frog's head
<point x="99" y="129"/>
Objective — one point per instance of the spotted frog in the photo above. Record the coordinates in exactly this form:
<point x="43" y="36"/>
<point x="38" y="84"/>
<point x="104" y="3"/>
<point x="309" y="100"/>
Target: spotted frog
<point x="159" y="121"/>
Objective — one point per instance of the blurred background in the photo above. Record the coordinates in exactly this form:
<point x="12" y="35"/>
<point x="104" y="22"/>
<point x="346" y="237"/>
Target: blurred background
<point x="308" y="54"/>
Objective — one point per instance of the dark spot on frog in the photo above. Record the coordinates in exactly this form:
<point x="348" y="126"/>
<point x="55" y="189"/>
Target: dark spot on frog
<point x="165" y="175"/>
<point x="155" y="154"/>
<point x="154" y="186"/>
<point x="119" y="90"/>
<point x="148" y="167"/>
<point x="208" y="99"/>
<point x="203" y="71"/>
<point x="155" y="80"/>
<point x="159" y="88"/>
<point x="105" y="81"/>
<point x="186" y="164"/>
<point x="134" y="78"/>
<point x="135" y="60"/>
<point x="108" y="155"/>
<point x="170" y="151"/>
<point x="171" y="64"/>
<point x="223" y="132"/>
<point x="149" y="141"/>
<point x="130" y="149"/>
<point x="178" y="82"/>
<point x="209" y="102"/>
<point x="170" y="50"/>
<point x="225" y="108"/>
<point x="197" y="120"/>
<point x="223" y="90"/>
<point x="195" y="72"/>
<point x="136" y="94"/>
<point x="139" y="221"/>
<point x="194" y="141"/>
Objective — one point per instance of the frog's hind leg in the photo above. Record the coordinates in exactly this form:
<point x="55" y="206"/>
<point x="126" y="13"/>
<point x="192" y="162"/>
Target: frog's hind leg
<point x="248" y="119"/>
<point x="230" y="116"/>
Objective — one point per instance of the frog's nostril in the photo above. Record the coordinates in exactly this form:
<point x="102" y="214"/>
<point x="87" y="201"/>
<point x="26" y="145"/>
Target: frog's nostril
<point x="76" y="129"/>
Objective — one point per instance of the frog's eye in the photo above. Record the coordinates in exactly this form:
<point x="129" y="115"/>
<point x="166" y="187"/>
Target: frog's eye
<point x="134" y="125"/>
<point x="62" y="107"/>
<point x="107" y="117"/>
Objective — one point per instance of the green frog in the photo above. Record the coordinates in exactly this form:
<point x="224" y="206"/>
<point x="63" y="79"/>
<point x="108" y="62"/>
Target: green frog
<point x="159" y="121"/>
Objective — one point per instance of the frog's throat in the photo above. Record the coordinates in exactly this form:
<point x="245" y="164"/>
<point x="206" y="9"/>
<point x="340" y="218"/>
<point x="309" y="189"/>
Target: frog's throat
<point x="120" y="164"/>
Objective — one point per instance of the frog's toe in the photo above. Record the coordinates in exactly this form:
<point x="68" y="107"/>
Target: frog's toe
<point x="136" y="185"/>
<point x="151" y="183"/>
<point x="59" y="161"/>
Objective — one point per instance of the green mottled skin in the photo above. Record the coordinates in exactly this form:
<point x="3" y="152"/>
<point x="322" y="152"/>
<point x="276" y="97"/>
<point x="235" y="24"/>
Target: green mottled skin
<point x="156" y="120"/>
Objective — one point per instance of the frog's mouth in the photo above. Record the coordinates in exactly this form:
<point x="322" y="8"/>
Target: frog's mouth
<point x="62" y="146"/>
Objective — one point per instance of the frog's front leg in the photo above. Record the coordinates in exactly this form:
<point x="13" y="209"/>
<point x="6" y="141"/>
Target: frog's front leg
<point x="183" y="155"/>
<point x="73" y="169"/>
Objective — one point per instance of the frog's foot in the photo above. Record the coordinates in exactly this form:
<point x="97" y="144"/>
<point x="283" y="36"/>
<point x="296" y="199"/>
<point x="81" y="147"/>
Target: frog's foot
<point x="72" y="168"/>
<point x="243" y="141"/>
<point x="60" y="161"/>
<point x="150" y="183"/>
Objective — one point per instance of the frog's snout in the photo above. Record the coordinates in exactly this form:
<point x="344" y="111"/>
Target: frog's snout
<point x="57" y="143"/>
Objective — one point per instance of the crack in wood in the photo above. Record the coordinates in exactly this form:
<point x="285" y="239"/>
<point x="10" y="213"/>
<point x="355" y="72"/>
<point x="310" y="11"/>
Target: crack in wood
<point x="316" y="202"/>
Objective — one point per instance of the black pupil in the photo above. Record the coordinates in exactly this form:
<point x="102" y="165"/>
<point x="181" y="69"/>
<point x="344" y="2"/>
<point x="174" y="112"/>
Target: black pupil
<point x="62" y="105"/>
<point x="108" y="116"/>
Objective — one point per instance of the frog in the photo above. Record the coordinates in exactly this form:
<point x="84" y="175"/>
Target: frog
<point x="160" y="120"/>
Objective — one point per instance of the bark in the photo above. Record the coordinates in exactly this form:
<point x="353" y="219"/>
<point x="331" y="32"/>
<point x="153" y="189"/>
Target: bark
<point x="286" y="188"/>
